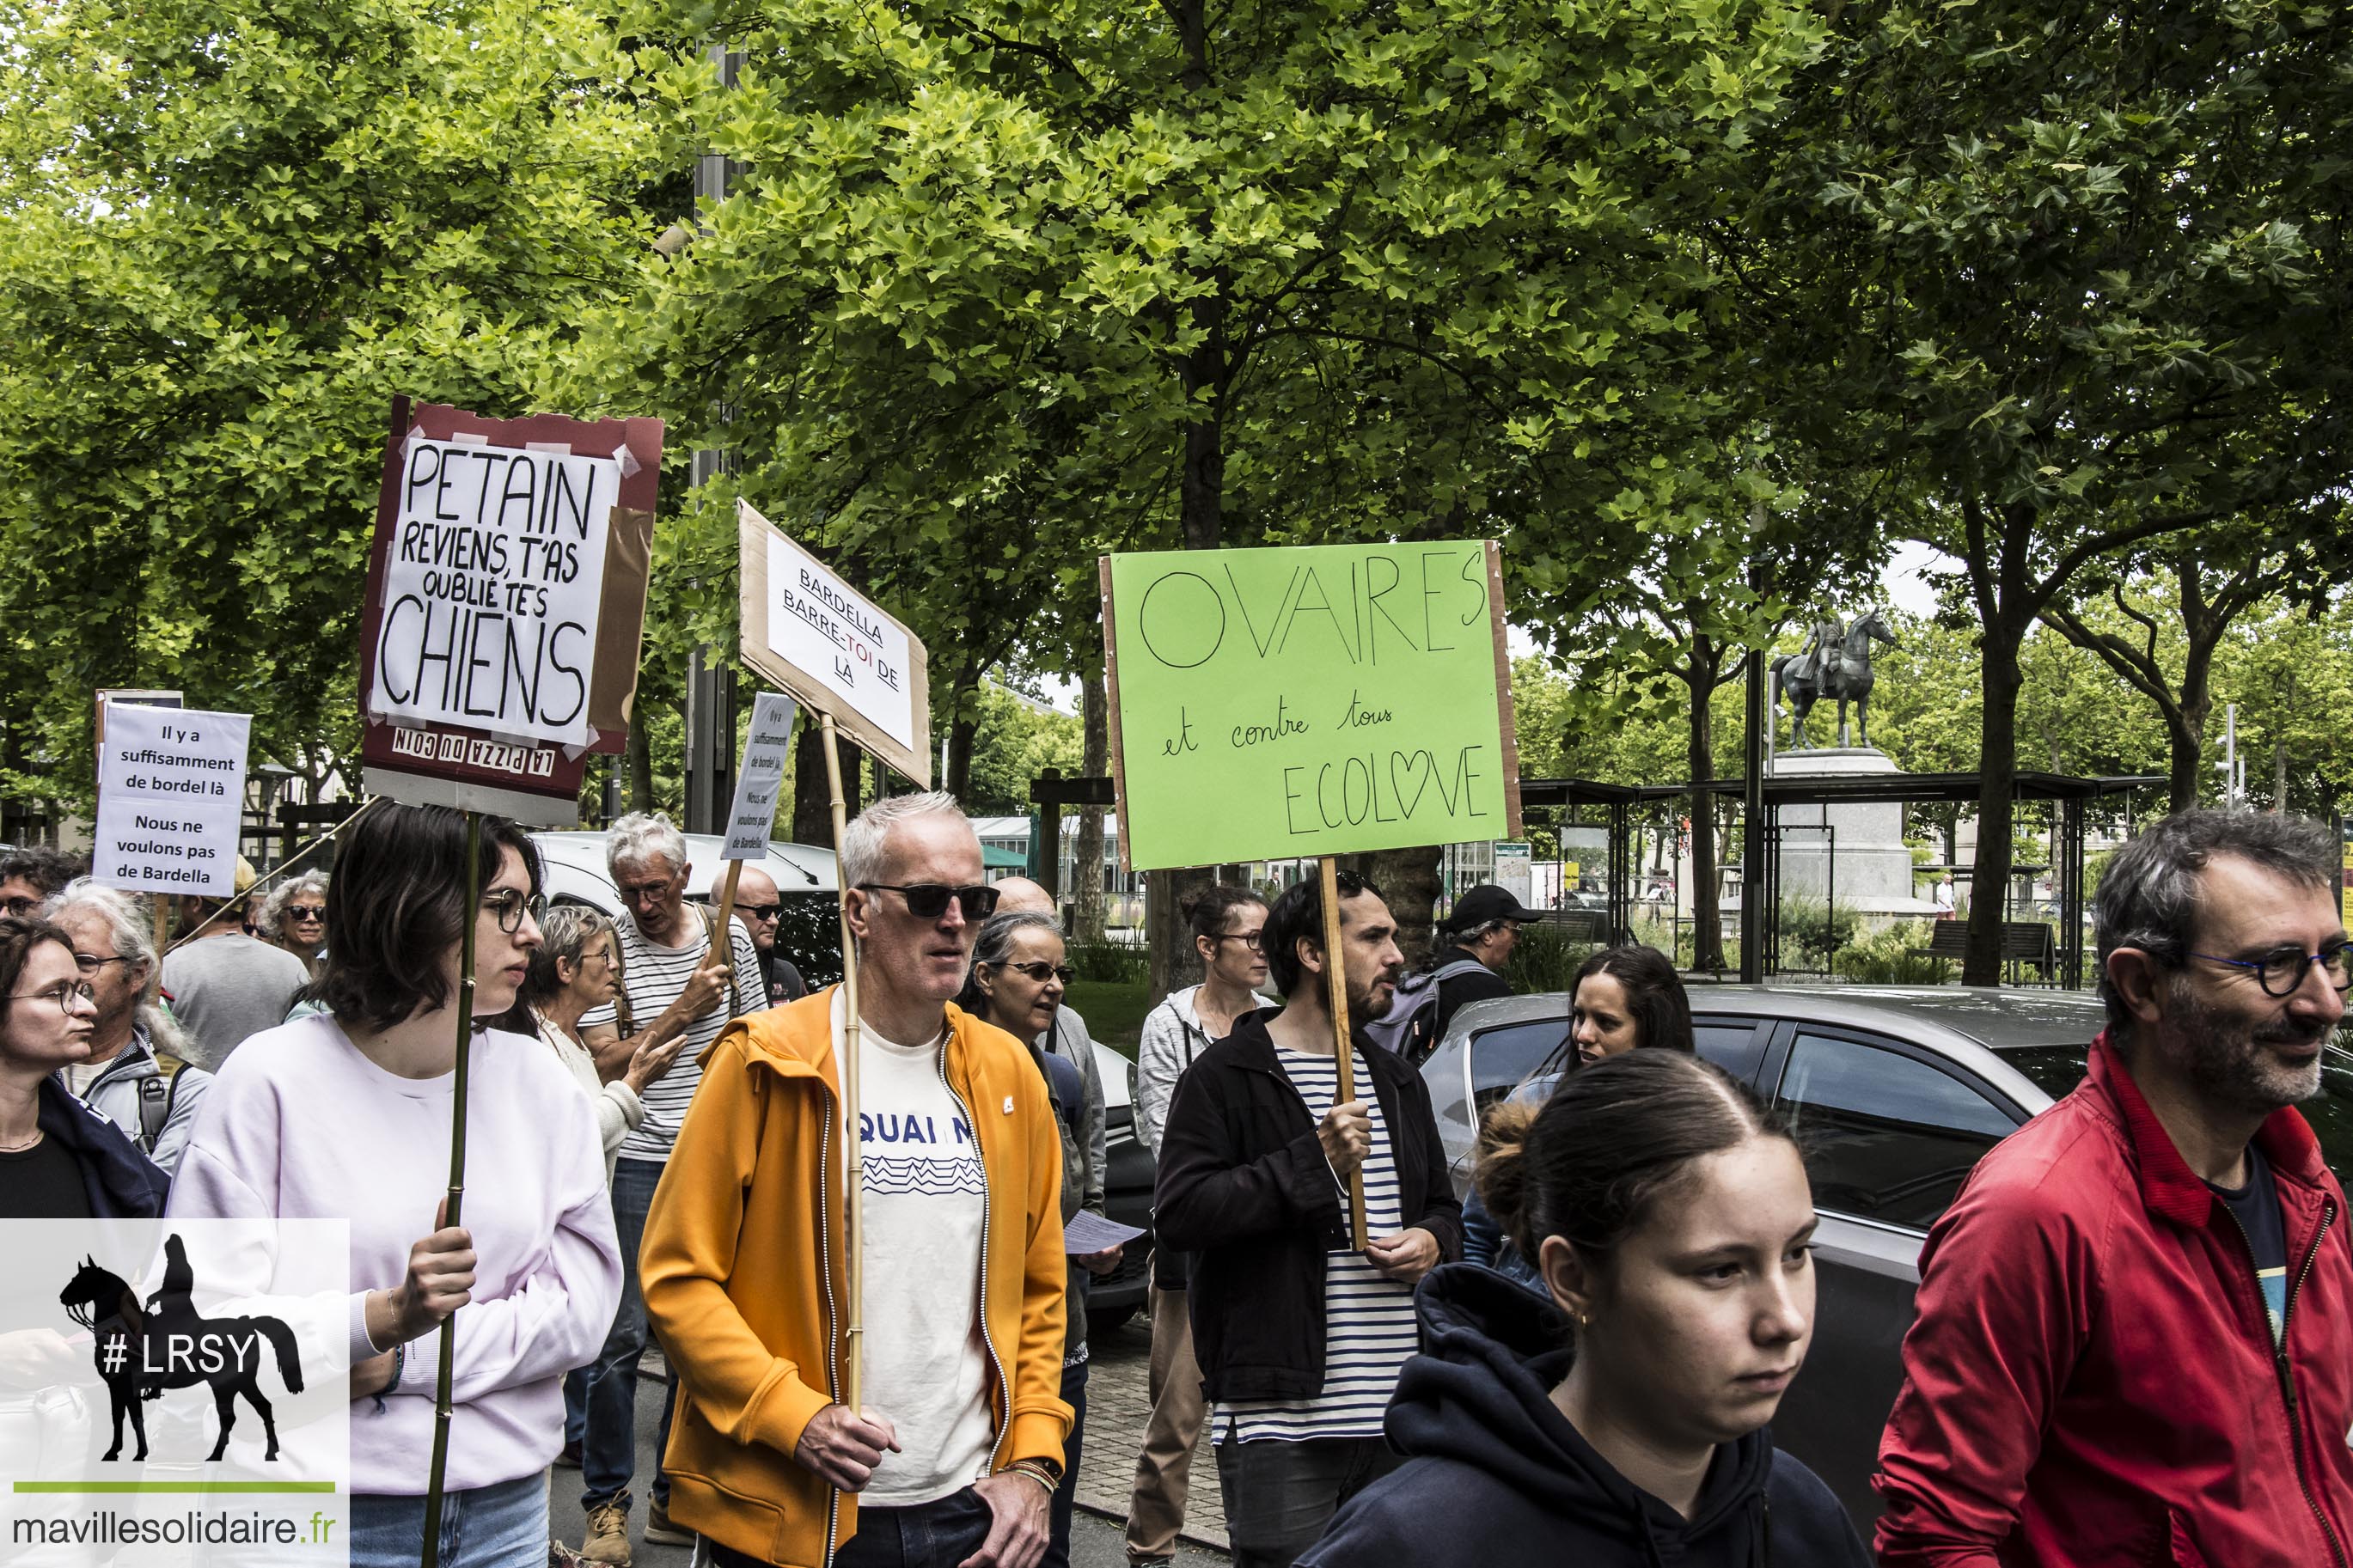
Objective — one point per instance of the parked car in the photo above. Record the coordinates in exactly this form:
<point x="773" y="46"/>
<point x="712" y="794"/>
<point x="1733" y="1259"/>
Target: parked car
<point x="573" y="865"/>
<point x="1897" y="1091"/>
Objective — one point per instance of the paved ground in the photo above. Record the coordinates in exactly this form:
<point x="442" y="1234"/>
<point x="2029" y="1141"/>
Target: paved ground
<point x="1116" y="1416"/>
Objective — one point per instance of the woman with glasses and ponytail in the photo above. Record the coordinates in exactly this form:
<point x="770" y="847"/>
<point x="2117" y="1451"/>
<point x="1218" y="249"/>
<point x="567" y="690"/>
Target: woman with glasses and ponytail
<point x="1620" y="1422"/>
<point x="1018" y="976"/>
<point x="58" y="1158"/>
<point x="347" y="1115"/>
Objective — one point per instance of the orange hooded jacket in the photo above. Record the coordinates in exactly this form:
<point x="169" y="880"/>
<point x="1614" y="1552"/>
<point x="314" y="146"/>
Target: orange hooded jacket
<point x="746" y="1285"/>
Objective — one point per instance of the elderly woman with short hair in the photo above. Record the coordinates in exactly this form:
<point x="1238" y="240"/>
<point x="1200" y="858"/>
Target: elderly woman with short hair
<point x="294" y="916"/>
<point x="578" y="967"/>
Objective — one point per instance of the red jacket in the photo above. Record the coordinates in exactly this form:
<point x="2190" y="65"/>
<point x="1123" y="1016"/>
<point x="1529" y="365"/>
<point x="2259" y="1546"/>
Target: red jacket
<point x="2091" y="1378"/>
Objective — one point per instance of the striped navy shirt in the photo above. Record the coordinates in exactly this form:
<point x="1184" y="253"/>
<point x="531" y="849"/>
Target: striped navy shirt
<point x="1368" y="1323"/>
<point x="656" y="977"/>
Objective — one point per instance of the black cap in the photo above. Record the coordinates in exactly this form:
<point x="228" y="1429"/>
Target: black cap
<point x="1486" y="902"/>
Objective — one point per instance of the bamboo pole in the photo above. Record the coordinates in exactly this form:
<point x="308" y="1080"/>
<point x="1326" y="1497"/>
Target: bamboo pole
<point x="852" y="1161"/>
<point x="436" y="1477"/>
<point x="1336" y="986"/>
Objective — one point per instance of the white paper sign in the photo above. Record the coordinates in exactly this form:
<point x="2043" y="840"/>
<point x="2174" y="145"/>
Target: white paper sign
<point x="767" y="752"/>
<point x="171" y="798"/>
<point x="834" y="635"/>
<point x="492" y="589"/>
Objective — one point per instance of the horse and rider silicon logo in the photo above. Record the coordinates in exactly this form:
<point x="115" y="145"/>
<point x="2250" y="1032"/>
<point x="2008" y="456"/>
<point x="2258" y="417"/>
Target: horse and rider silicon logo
<point x="143" y="1351"/>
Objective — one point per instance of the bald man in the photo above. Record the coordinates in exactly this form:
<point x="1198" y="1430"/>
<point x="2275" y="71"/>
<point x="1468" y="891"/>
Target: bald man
<point x="1070" y="1039"/>
<point x="758" y="907"/>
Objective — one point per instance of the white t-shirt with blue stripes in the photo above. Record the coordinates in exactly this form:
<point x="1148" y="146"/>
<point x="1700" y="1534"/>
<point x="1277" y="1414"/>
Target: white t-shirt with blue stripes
<point x="1368" y="1322"/>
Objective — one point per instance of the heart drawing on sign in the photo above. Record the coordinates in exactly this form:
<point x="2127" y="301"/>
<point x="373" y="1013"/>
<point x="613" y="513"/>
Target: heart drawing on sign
<point x="1429" y="773"/>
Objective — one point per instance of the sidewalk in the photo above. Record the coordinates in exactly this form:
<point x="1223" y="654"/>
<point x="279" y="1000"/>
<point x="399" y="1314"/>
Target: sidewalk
<point x="1117" y="1409"/>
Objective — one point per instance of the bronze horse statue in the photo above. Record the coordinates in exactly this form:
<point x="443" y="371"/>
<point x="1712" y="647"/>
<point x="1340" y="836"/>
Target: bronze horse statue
<point x="1837" y="666"/>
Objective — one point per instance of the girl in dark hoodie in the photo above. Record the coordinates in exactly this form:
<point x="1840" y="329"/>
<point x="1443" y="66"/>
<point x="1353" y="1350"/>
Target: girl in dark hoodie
<point x="1621" y="1422"/>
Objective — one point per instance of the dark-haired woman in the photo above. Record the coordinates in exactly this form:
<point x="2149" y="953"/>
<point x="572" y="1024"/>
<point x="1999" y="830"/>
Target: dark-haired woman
<point x="346" y="1115"/>
<point x="1017" y="980"/>
<point x="1622" y="998"/>
<point x="58" y="1158"/>
<point x="1621" y="1422"/>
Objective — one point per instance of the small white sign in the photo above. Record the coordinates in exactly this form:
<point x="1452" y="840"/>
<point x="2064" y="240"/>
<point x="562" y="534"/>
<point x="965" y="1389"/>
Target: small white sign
<point x="768" y="753"/>
<point x="171" y="798"/>
<point x="1514" y="870"/>
<point x="835" y="636"/>
<point x="493" y="586"/>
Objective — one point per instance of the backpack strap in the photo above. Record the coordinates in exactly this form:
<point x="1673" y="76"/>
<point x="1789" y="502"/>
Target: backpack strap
<point x="157" y="1095"/>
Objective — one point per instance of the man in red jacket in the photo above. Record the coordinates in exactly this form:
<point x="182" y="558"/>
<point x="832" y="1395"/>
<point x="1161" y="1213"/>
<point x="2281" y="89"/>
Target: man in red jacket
<point x="2135" y="1341"/>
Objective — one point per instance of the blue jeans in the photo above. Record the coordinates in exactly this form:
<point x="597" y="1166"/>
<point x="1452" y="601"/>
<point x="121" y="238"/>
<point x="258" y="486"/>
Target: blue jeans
<point x="576" y="1406"/>
<point x="608" y="1447"/>
<point x="501" y="1526"/>
<point x="1281" y="1495"/>
<point x="1058" y="1545"/>
<point x="932" y="1535"/>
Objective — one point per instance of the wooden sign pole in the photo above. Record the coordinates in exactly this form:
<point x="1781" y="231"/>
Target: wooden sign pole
<point x="1336" y="985"/>
<point x="436" y="1476"/>
<point x="726" y="939"/>
<point x="853" y="1161"/>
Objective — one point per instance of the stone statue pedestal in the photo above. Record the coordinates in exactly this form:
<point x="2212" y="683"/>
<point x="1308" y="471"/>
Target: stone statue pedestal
<point x="1872" y="871"/>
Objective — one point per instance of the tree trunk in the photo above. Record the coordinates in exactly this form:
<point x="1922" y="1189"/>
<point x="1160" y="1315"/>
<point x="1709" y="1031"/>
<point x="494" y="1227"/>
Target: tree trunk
<point x="1087" y="917"/>
<point x="1997" y="790"/>
<point x="812" y="795"/>
<point x="1175" y="961"/>
<point x="2279" y="775"/>
<point x="641" y="762"/>
<point x="1707" y="913"/>
<point x="1410" y="880"/>
<point x="957" y="777"/>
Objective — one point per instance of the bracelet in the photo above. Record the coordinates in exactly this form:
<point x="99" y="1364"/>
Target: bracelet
<point x="399" y="1362"/>
<point x="1031" y="1471"/>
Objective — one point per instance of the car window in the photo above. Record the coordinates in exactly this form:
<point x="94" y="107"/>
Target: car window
<point x="1503" y="1059"/>
<point x="1736" y="1045"/>
<point x="1887" y="1137"/>
<point x="2054" y="1070"/>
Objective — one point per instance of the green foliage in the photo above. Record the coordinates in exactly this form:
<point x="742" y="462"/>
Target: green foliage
<point x="230" y="232"/>
<point x="1016" y="739"/>
<point x="1108" y="963"/>
<point x="1813" y="930"/>
<point x="1887" y="957"/>
<point x="1545" y="960"/>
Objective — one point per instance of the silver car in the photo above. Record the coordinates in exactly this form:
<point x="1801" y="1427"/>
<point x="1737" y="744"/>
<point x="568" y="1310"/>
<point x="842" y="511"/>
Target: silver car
<point x="1895" y="1092"/>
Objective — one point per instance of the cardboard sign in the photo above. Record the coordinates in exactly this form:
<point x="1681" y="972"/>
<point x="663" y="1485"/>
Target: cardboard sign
<point x="819" y="638"/>
<point x="1320" y="700"/>
<point x="767" y="753"/>
<point x="170" y="799"/>
<point x="505" y="604"/>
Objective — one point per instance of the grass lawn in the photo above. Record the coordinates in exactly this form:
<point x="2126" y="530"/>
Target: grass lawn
<point x="1114" y="1011"/>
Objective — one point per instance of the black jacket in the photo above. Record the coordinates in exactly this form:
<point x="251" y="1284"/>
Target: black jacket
<point x="1495" y="1474"/>
<point x="1243" y="1186"/>
<point x="1480" y="984"/>
<point x="120" y="1181"/>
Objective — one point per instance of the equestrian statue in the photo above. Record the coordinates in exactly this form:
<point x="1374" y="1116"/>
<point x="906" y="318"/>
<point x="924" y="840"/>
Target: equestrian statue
<point x="1836" y="663"/>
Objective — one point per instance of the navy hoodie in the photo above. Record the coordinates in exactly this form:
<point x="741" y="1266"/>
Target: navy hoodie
<point x="1495" y="1475"/>
<point x="119" y="1179"/>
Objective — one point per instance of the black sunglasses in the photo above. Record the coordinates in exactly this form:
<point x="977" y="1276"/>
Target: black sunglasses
<point x="759" y="911"/>
<point x="303" y="912"/>
<point x="1040" y="971"/>
<point x="929" y="901"/>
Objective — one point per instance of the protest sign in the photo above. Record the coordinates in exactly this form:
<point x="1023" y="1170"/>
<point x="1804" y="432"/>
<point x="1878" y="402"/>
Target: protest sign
<point x="505" y="604"/>
<point x="170" y="799"/>
<point x="1314" y="701"/>
<point x="768" y="753"/>
<point x="811" y="633"/>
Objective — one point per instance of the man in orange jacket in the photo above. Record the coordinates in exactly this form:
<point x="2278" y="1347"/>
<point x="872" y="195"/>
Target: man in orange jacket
<point x="958" y="1447"/>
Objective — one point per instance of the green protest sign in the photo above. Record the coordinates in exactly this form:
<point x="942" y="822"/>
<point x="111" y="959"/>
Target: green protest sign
<point x="1322" y="700"/>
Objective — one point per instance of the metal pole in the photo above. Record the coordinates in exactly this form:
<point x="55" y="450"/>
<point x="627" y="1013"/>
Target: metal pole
<point x="437" y="1475"/>
<point x="853" y="1158"/>
<point x="1335" y="985"/>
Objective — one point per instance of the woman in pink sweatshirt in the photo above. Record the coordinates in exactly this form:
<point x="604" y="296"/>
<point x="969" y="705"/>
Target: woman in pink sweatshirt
<point x="347" y="1115"/>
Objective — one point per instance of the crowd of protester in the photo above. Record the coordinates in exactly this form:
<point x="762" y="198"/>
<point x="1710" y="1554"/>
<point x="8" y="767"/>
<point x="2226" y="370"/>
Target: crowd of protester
<point x="2134" y="1341"/>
